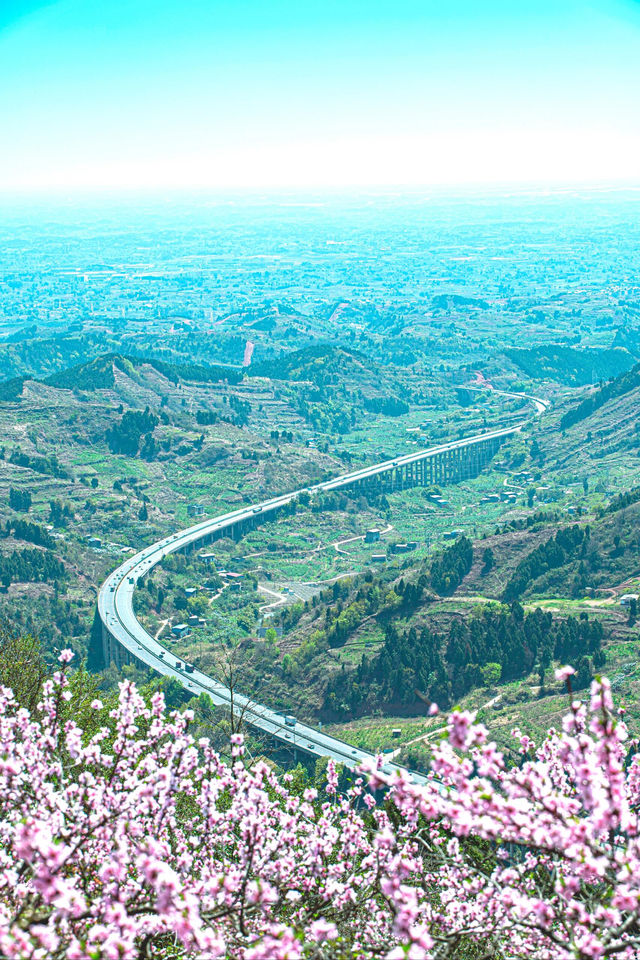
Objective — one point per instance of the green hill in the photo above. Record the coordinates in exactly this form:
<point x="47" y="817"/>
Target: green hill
<point x="569" y="365"/>
<point x="620" y="386"/>
<point x="99" y="374"/>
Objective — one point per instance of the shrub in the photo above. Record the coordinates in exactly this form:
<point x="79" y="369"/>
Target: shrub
<point x="129" y="839"/>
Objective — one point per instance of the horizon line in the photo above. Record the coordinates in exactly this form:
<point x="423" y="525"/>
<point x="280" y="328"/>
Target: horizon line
<point x="17" y="194"/>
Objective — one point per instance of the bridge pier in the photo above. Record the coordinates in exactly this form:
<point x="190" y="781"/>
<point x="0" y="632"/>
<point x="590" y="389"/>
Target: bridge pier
<point x="443" y="468"/>
<point x="112" y="651"/>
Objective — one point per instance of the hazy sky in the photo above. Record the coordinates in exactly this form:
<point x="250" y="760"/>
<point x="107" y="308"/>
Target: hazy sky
<point x="315" y="93"/>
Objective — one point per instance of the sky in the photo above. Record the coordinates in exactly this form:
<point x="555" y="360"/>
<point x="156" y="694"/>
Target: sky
<point x="297" y="94"/>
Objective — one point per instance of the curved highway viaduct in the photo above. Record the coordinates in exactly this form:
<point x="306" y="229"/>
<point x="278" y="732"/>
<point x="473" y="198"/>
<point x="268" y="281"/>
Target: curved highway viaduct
<point x="125" y="640"/>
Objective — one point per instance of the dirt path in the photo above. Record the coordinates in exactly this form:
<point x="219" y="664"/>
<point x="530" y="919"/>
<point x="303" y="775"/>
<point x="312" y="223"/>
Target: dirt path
<point x="425" y="737"/>
<point x="280" y="600"/>
<point x="218" y="594"/>
<point x="338" y="543"/>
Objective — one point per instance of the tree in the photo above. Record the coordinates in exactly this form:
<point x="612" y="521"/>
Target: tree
<point x="143" y="513"/>
<point x="19" y="500"/>
<point x="124" y="437"/>
<point x="198" y="605"/>
<point x="22" y="667"/>
<point x="229" y="668"/>
<point x="59" y="513"/>
<point x="491" y="673"/>
<point x="487" y="560"/>
<point x="174" y="693"/>
<point x="451" y="567"/>
<point x="583" y="673"/>
<point x="126" y="831"/>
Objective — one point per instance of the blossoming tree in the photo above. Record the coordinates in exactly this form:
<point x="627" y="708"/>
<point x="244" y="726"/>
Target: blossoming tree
<point x="135" y="841"/>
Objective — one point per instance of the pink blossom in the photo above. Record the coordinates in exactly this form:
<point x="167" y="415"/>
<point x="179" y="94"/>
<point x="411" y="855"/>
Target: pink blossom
<point x="563" y="673"/>
<point x="321" y="930"/>
<point x="139" y="834"/>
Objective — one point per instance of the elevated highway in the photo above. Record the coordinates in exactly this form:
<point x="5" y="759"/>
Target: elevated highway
<point x="125" y="639"/>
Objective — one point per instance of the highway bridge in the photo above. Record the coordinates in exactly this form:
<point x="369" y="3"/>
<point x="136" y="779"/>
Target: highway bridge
<point x="125" y="640"/>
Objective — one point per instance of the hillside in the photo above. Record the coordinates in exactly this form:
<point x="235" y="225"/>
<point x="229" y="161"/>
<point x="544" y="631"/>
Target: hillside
<point x="594" y="440"/>
<point x="617" y="388"/>
<point x="321" y="364"/>
<point x="100" y="373"/>
<point x="570" y="365"/>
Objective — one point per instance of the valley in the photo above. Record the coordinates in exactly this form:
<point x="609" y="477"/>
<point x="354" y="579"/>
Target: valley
<point x="104" y="454"/>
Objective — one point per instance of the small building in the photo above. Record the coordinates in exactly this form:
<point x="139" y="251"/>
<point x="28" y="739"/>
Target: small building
<point x="94" y="542"/>
<point x="452" y="534"/>
<point x="378" y="557"/>
<point x="400" y="548"/>
<point x="396" y="732"/>
<point x="628" y="598"/>
<point x="372" y="536"/>
<point x="190" y="591"/>
<point x="180" y="630"/>
<point x="193" y="620"/>
<point x="208" y="558"/>
<point x="195" y="510"/>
